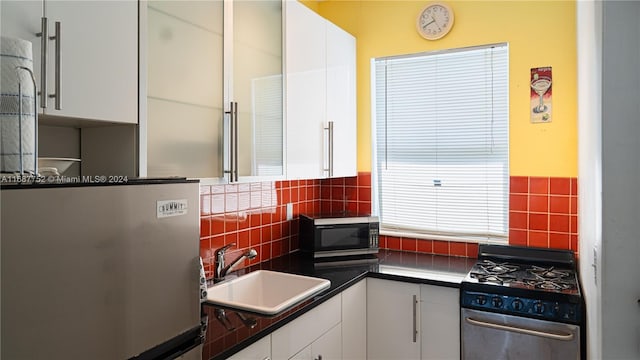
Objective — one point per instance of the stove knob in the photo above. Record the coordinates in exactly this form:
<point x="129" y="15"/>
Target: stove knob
<point x="481" y="300"/>
<point x="517" y="304"/>
<point x="497" y="302"/>
<point x="556" y="308"/>
<point x="538" y="307"/>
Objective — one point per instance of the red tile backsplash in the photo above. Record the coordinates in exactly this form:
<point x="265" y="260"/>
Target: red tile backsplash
<point x="519" y="185"/>
<point x="559" y="204"/>
<point x="560" y="186"/>
<point x="538" y="239"/>
<point x="253" y="215"/>
<point x="542" y="213"/>
<point x="518" y="202"/>
<point x="518" y="220"/>
<point x="551" y="226"/>
<point x="441" y="247"/>
<point x="538" y="185"/>
<point x="538" y="203"/>
<point x="539" y="222"/>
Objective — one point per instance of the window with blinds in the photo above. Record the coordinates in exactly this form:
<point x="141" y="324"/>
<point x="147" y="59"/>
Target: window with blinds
<point x="441" y="144"/>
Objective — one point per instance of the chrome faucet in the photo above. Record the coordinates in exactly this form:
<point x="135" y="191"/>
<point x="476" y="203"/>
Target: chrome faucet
<point x="222" y="269"/>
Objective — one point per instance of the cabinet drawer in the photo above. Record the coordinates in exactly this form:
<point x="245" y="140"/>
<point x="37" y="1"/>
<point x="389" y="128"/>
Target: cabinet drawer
<point x="298" y="334"/>
<point x="260" y="350"/>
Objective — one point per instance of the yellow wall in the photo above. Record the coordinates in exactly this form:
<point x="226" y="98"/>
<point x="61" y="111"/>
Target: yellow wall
<point x="539" y="33"/>
<point x="311" y="4"/>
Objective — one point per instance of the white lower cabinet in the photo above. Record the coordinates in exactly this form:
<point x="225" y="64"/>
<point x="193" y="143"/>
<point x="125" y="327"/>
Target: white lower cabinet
<point x="260" y="350"/>
<point x="392" y="320"/>
<point x="292" y="338"/>
<point x="373" y="319"/>
<point x="327" y="347"/>
<point x="354" y="322"/>
<point x="411" y="321"/>
<point x="335" y="329"/>
<point x="440" y="322"/>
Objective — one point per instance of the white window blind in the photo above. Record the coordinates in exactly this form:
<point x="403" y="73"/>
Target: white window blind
<point x="441" y="147"/>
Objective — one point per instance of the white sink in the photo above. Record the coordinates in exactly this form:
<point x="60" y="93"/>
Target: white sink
<point x="265" y="292"/>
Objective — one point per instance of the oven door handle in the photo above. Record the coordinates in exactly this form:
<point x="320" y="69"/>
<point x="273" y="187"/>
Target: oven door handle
<point x="544" y="334"/>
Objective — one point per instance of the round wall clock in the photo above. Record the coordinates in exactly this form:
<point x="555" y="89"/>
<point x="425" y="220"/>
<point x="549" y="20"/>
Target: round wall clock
<point x="435" y="21"/>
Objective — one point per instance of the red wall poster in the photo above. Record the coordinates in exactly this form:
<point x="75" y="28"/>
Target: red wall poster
<point x="540" y="95"/>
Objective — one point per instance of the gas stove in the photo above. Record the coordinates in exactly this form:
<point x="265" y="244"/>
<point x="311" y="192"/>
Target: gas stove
<point x="530" y="282"/>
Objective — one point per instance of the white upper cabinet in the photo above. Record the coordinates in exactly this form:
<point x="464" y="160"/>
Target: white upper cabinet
<point x="184" y="87"/>
<point x="254" y="84"/>
<point x="341" y="99"/>
<point x="320" y="96"/>
<point x="214" y="89"/>
<point x="305" y="91"/>
<point x="91" y="64"/>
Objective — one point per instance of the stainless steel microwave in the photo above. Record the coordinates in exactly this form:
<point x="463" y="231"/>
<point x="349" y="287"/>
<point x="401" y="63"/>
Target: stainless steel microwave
<point x="338" y="235"/>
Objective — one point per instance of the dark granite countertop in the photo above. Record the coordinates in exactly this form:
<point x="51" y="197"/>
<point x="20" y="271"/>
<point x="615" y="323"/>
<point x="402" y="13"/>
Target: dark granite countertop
<point x="230" y="331"/>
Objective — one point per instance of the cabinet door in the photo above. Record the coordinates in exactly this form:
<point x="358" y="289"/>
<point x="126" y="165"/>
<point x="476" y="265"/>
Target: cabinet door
<point x="260" y="350"/>
<point x="354" y="321"/>
<point x="184" y="88"/>
<point x="257" y="85"/>
<point x="440" y="322"/>
<point x="300" y="333"/>
<point x="98" y="62"/>
<point x="328" y="346"/>
<point x="304" y="354"/>
<point x="305" y="91"/>
<point x="341" y="99"/>
<point x="392" y="320"/>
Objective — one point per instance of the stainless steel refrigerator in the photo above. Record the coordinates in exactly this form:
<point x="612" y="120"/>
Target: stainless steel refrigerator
<point x="105" y="271"/>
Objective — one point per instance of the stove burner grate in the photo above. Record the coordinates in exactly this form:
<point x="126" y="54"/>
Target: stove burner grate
<point x="493" y="278"/>
<point x="550" y="273"/>
<point x="549" y="285"/>
<point x="493" y="268"/>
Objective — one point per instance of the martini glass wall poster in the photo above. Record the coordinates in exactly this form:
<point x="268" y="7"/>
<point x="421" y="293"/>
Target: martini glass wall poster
<point x="540" y="95"/>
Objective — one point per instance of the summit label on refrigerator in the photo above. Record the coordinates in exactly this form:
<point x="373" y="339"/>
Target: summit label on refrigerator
<point x="167" y="208"/>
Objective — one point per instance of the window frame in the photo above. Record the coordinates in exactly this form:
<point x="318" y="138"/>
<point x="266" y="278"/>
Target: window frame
<point x="375" y="200"/>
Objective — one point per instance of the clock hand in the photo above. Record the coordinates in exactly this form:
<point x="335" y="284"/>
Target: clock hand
<point x="439" y="28"/>
<point x="430" y="22"/>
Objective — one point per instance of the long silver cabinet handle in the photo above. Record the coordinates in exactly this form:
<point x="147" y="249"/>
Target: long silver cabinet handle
<point x="232" y="124"/>
<point x="544" y="334"/>
<point x="415" y="318"/>
<point x="57" y="89"/>
<point x="329" y="168"/>
<point x="44" y="39"/>
<point x="235" y="150"/>
<point x="331" y="148"/>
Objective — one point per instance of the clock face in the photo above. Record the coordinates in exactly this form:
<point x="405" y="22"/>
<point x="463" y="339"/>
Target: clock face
<point x="435" y="21"/>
